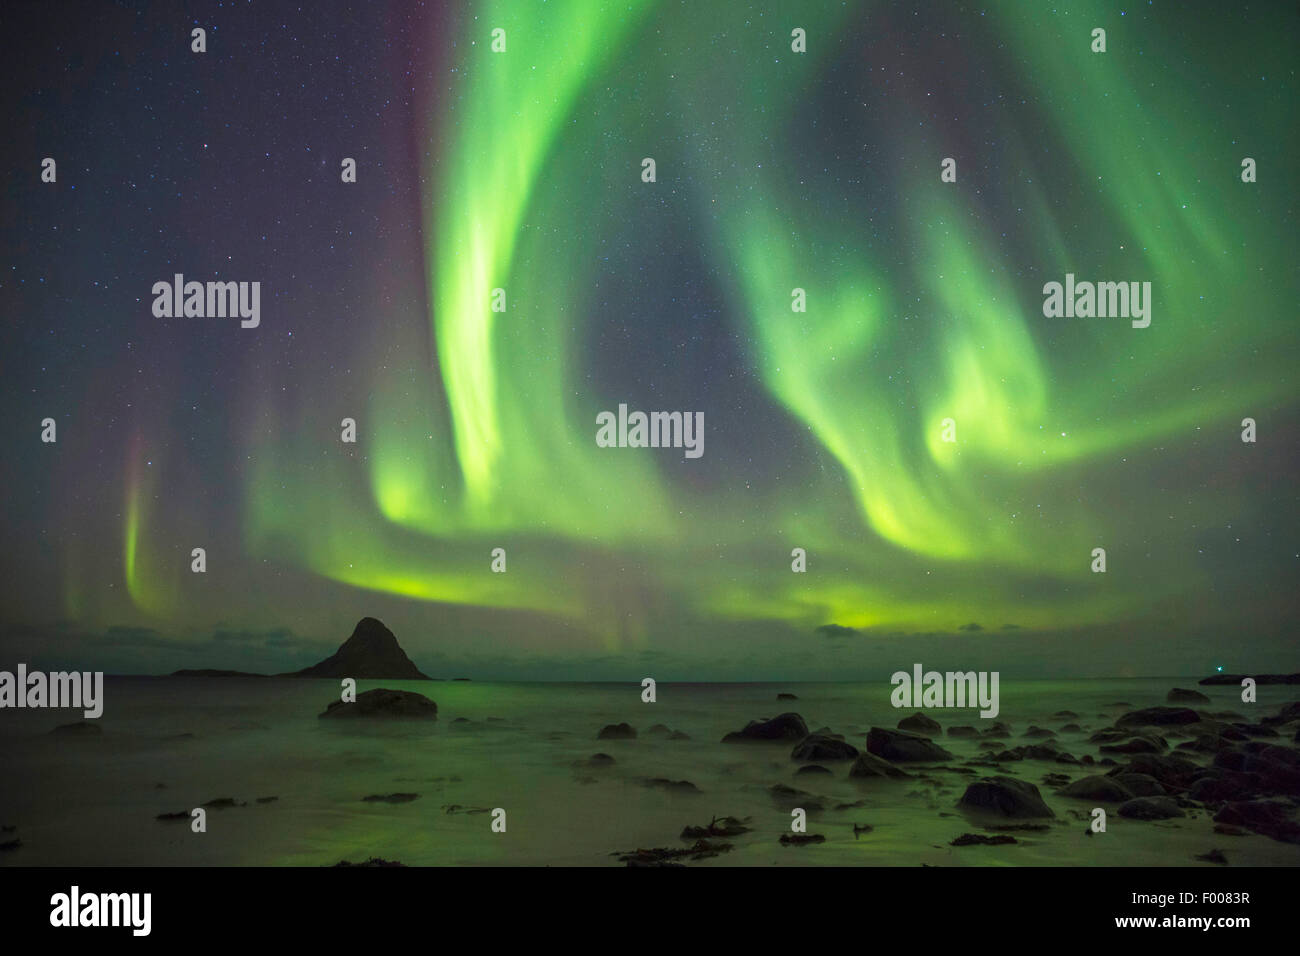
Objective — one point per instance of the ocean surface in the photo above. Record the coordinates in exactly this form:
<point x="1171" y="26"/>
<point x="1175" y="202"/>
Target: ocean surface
<point x="171" y="744"/>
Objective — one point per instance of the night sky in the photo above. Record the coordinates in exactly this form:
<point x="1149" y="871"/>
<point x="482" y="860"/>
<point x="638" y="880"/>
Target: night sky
<point x="476" y="429"/>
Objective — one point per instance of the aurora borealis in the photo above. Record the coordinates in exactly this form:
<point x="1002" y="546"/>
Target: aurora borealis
<point x="775" y="171"/>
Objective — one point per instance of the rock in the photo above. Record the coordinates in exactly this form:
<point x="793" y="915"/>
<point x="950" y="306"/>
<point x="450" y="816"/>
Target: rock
<point x="1005" y="796"/>
<point x="1039" y="732"/>
<point x="900" y="746"/>
<point x="666" y="856"/>
<point x="373" y="861"/>
<point x="1172" y="771"/>
<point x="1140" y="744"/>
<point x="223" y="803"/>
<point x="801" y="839"/>
<point x="810" y="768"/>
<point x="979" y="839"/>
<point x="1262" y="816"/>
<point x="1108" y="735"/>
<point x="81" y="728"/>
<point x="1220" y="789"/>
<point x="173" y="817"/>
<point x="1151" y="808"/>
<point x="658" y="730"/>
<point x="782" y="727"/>
<point x="600" y="760"/>
<point x="678" y="735"/>
<point x="1071" y="729"/>
<point x="998" y="729"/>
<point x="963" y="731"/>
<point x="1180" y="695"/>
<point x="371" y="653"/>
<point x="1214" y="856"/>
<point x="725" y="827"/>
<point x="786" y="697"/>
<point x="788" y="798"/>
<point x="1098" y="787"/>
<point x="265" y="800"/>
<point x="390" y="798"/>
<point x="671" y="786"/>
<point x="821" y="747"/>
<point x="385" y="703"/>
<point x="617" y="732"/>
<point x="869" y="766"/>
<point x="1158" y="717"/>
<point x="919" y="723"/>
<point x="1141" y="784"/>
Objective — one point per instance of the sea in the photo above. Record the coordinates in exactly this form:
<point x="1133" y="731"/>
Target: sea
<point x="287" y="788"/>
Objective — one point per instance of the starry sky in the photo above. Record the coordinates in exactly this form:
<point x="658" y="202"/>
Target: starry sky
<point x="476" y="429"/>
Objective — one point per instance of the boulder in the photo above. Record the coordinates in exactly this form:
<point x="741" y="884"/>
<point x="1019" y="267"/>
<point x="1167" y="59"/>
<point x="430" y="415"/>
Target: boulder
<point x="1098" y="787"/>
<point x="1151" y="808"/>
<point x="1141" y="784"/>
<point x="821" y="747"/>
<point x="1181" y="695"/>
<point x="900" y="746"/>
<point x="383" y="703"/>
<point x="782" y="727"/>
<point x="869" y="766"/>
<point x="919" y="723"/>
<point x="1005" y="796"/>
<point x="1158" y="717"/>
<point x="617" y="732"/>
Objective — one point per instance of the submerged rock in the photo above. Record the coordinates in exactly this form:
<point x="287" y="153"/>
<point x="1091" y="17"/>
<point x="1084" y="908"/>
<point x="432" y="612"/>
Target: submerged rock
<point x="801" y="839"/>
<point x="373" y="861"/>
<point x="979" y="839"/>
<point x="617" y="732"/>
<point x="1181" y="695"/>
<point x="385" y="703"/>
<point x="724" y="827"/>
<point x="390" y="798"/>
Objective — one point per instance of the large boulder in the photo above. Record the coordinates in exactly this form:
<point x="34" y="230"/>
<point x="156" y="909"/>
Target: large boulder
<point x="1098" y="787"/>
<point x="919" y="723"/>
<point x="385" y="703"/>
<point x="1181" y="695"/>
<point x="900" y="747"/>
<point x="782" y="727"/>
<point x="869" y="766"/>
<point x="1005" y="796"/>
<point x="823" y="747"/>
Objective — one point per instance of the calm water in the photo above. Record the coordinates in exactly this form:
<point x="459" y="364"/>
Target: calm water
<point x="93" y="801"/>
